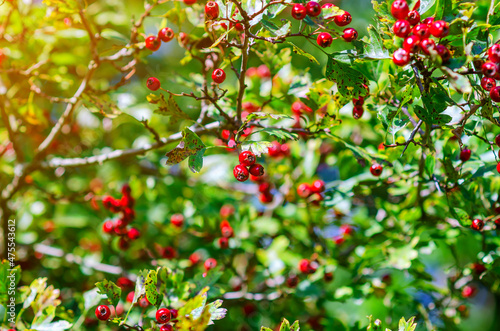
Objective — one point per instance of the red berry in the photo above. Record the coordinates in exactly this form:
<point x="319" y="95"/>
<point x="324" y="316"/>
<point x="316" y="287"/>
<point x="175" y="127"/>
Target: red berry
<point x="292" y="281"/>
<point x="168" y="327"/>
<point x="143" y="302"/>
<point x="241" y="173"/>
<point x="343" y="19"/>
<point x="488" y="83"/>
<point x="108" y="227"/>
<point x="177" y="220"/>
<point x="223" y="242"/>
<point x="313" y="8"/>
<point x="174" y="313"/>
<point x="126" y="190"/>
<point x="411" y="44"/>
<point x="444" y="53"/>
<point x="357" y="112"/>
<point x="413" y="17"/>
<point x="401" y="28"/>
<point x="428" y="20"/>
<point x="299" y="11"/>
<point x="194" y="258"/>
<point x="153" y="43"/>
<point x="401" y="57"/>
<point x="346" y="229"/>
<point x="465" y="154"/>
<point x="218" y="76"/>
<point x="426" y="45"/>
<point x="328" y="276"/>
<point x="439" y="29"/>
<point x="123" y="244"/>
<point x="263" y="71"/>
<point x="189" y="2"/>
<point x="304" y="190"/>
<point x="495" y="94"/>
<point x="212" y="10"/>
<point x="166" y="34"/>
<point x="400" y="9"/>
<point x="421" y="31"/>
<point x="247" y="158"/>
<point x="350" y="34"/>
<point x="153" y="83"/>
<point x="256" y="170"/>
<point x="358" y="102"/>
<point x="266" y="197"/>
<point x="376" y="169"/>
<point x="324" y="39"/>
<point x="183" y="38"/>
<point x="133" y="234"/>
<point x="477" y="225"/>
<point x="227" y="231"/>
<point x="498" y="170"/>
<point x="168" y="252"/>
<point x="102" y="312"/>
<point x="304" y="266"/>
<point x="494" y="53"/>
<point x="468" y="291"/>
<point x="497" y="140"/>
<point x="124" y="282"/>
<point x="264" y="187"/>
<point x="327" y="6"/>
<point x="226" y="211"/>
<point x="210" y="263"/>
<point x="318" y="186"/>
<point x="478" y="268"/>
<point x="489" y="69"/>
<point x="163" y="315"/>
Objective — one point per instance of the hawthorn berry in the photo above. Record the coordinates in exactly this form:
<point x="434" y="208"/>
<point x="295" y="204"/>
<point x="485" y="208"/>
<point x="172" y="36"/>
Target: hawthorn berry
<point x="324" y="39"/>
<point x="102" y="312"/>
<point x="152" y="43"/>
<point x="498" y="170"/>
<point x="313" y="8"/>
<point x="439" y="29"/>
<point x="401" y="57"/>
<point x="401" y="28"/>
<point x="488" y="83"/>
<point x="421" y="31"/>
<point x="241" y="173"/>
<point x="327" y="6"/>
<point x="357" y="112"/>
<point x="227" y="231"/>
<point x="256" y="170"/>
<point x="133" y="234"/>
<point x="266" y="197"/>
<point x="299" y="11"/>
<point x="108" y="227"/>
<point x="263" y="71"/>
<point x="478" y="268"/>
<point x="444" y="53"/>
<point x="413" y="17"/>
<point x="247" y="158"/>
<point x="123" y="244"/>
<point x="210" y="263"/>
<point x="465" y="154"/>
<point x="468" y="291"/>
<point x="318" y="186"/>
<point x="223" y="242"/>
<point x="219" y="76"/>
<point x="426" y="45"/>
<point x="304" y="190"/>
<point x="305" y="266"/>
<point x="376" y="169"/>
<point x="226" y="211"/>
<point x="264" y="187"/>
<point x="328" y="276"/>
<point x="189" y="2"/>
<point x="495" y="94"/>
<point x="167" y="327"/>
<point x="400" y="9"/>
<point x="428" y="20"/>
<point x="343" y="19"/>
<point x="494" y="53"/>
<point x="144" y="302"/>
<point x="168" y="252"/>
<point x="183" y="38"/>
<point x="177" y="220"/>
<point x="163" y="315"/>
<point x="174" y="313"/>
<point x="358" y="102"/>
<point x="212" y="10"/>
<point x="298" y="107"/>
<point x="292" y="281"/>
<point x="489" y="69"/>
<point x="124" y="282"/>
<point x="411" y="44"/>
<point x="497" y="140"/>
<point x="477" y="224"/>
<point x="166" y="34"/>
<point x="153" y="83"/>
<point x="194" y="258"/>
<point x="350" y="34"/>
<point x="346" y="229"/>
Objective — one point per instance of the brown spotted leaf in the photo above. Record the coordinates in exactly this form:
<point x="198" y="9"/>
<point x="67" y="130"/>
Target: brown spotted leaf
<point x="167" y="107"/>
<point x="111" y="290"/>
<point x="189" y="145"/>
<point x="350" y="82"/>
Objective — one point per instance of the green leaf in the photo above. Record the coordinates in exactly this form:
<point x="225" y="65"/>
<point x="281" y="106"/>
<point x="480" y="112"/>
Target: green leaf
<point x="350" y="82"/>
<point x="430" y="163"/>
<point x="299" y="51"/>
<point x="63" y="6"/>
<point x="295" y="326"/>
<point x="150" y="286"/>
<point x="281" y="134"/>
<point x="375" y="49"/>
<point x="110" y="290"/>
<point x="425" y="5"/>
<point x="409" y="325"/>
<point x="257" y="147"/>
<point x="277" y="30"/>
<point x="167" y="108"/>
<point x="113" y="34"/>
<point x="91" y="298"/>
<point x="434" y="104"/>
<point x="189" y="145"/>
<point x="55" y="326"/>
<point x="265" y="329"/>
<point x="285" y="325"/>
<point x="459" y="82"/>
<point x="195" y="162"/>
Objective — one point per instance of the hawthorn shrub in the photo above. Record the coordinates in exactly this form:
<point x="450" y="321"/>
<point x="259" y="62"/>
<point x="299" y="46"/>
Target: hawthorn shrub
<point x="172" y="165"/>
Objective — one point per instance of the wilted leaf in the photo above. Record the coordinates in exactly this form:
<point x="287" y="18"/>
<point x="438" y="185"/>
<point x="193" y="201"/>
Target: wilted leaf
<point x="189" y="145"/>
<point x="110" y="290"/>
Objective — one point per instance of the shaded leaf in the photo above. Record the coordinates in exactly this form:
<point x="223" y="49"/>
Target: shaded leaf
<point x="167" y="107"/>
<point x="299" y="51"/>
<point x="350" y="82"/>
<point x="189" y="145"/>
<point x="110" y="290"/>
<point x="195" y="162"/>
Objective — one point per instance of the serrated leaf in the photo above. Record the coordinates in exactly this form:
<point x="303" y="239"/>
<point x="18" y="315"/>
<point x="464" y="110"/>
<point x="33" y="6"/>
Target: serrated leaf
<point x="407" y="325"/>
<point x="101" y="104"/>
<point x="195" y="162"/>
<point x="277" y="30"/>
<point x="299" y="51"/>
<point x="150" y="287"/>
<point x="285" y="325"/>
<point x="350" y="82"/>
<point x="167" y="107"/>
<point x="295" y="326"/>
<point x="114" y="35"/>
<point x="435" y="102"/>
<point x="257" y="147"/>
<point x="375" y="48"/>
<point x="189" y="145"/>
<point x="281" y="134"/>
<point x="218" y="41"/>
<point x="262" y="115"/>
<point x="110" y="290"/>
<point x="265" y="329"/>
<point x="425" y="5"/>
<point x="459" y="82"/>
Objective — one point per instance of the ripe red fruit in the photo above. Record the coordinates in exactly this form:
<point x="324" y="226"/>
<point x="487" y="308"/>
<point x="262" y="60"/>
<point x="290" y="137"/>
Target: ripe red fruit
<point x="143" y="302"/>
<point x="304" y="190"/>
<point x="494" y="53"/>
<point x="153" y="43"/>
<point x="189" y="2"/>
<point x="477" y="225"/>
<point x="168" y="252"/>
<point x="428" y="20"/>
<point x="488" y="83"/>
<point x="212" y="10"/>
<point x="411" y="44"/>
<point x="218" y="76"/>
<point x="468" y="291"/>
<point x="247" y="158"/>
<point x="358" y="102"/>
<point x="223" y="242"/>
<point x="108" y="227"/>
<point x="421" y="31"/>
<point x="350" y="34"/>
<point x="376" y="169"/>
<point x="292" y="281"/>
<point x="426" y="45"/>
<point x="489" y="69"/>
<point x="177" y="220"/>
<point x="439" y="29"/>
<point x="133" y="234"/>
<point x="444" y="53"/>
<point x="498" y="170"/>
<point x="256" y="170"/>
<point x="318" y="186"/>
<point x="194" y="258"/>
<point x="299" y="11"/>
<point x="168" y="327"/>
<point x="324" y="39"/>
<point x="163" y="315"/>
<point x="174" y="313"/>
<point x="346" y="229"/>
<point x="210" y="263"/>
<point x="328" y="276"/>
<point x="153" y="83"/>
<point x="465" y="154"/>
<point x="102" y="312"/>
<point x="130" y="296"/>
<point x="241" y="173"/>
<point x="266" y="197"/>
<point x="123" y="244"/>
<point x="495" y="94"/>
<point x="226" y="211"/>
<point x="400" y="9"/>
<point x="357" y="112"/>
<point x="124" y="282"/>
<point x="313" y="8"/>
<point x="497" y="140"/>
<point x="304" y="266"/>
<point x="343" y="19"/>
<point x="264" y="187"/>
<point x="227" y="231"/>
<point x="401" y="57"/>
<point x="263" y="71"/>
<point x="166" y="34"/>
<point x="401" y="28"/>
<point x="413" y="17"/>
<point x="478" y="268"/>
<point x="327" y="6"/>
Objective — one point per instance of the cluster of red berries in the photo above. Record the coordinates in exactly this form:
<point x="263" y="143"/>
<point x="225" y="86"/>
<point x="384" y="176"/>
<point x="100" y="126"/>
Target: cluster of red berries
<point x="278" y="150"/>
<point x="163" y="316"/>
<point x="153" y="43"/>
<point x="417" y="34"/>
<point x="305" y="190"/>
<point x="313" y="9"/>
<point x="247" y="167"/>
<point x="227" y="232"/>
<point x="265" y="192"/>
<point x="491" y="72"/>
<point x="125" y="206"/>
